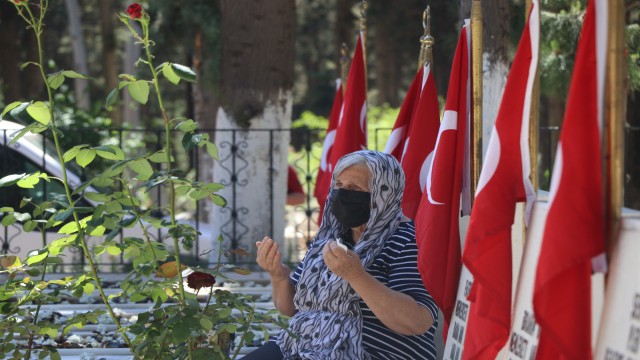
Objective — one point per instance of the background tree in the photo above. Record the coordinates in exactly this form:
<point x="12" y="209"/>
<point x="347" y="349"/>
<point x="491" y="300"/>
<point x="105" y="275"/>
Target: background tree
<point x="256" y="92"/>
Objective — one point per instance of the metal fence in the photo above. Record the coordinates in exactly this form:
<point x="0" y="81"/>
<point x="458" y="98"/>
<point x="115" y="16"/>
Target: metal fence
<point x="307" y="147"/>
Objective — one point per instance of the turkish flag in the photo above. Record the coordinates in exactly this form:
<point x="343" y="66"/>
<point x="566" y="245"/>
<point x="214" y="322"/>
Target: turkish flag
<point x="351" y="132"/>
<point x="419" y="143"/>
<point x="574" y="231"/>
<point x="504" y="181"/>
<point x="323" y="179"/>
<point x="398" y="138"/>
<point x="437" y="220"/>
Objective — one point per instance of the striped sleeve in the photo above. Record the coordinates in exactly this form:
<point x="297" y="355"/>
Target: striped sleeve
<point x="403" y="268"/>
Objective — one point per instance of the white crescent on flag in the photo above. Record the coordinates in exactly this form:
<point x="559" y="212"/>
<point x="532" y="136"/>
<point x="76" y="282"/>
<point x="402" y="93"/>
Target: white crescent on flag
<point x="449" y="122"/>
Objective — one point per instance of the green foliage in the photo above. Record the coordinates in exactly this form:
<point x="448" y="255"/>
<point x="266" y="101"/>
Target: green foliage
<point x="187" y="328"/>
<point x="633" y="59"/>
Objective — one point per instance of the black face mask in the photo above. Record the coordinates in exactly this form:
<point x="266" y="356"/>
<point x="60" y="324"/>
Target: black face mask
<point x="351" y="207"/>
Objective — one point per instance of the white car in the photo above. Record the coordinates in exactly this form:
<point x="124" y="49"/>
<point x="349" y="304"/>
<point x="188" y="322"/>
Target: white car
<point x="32" y="153"/>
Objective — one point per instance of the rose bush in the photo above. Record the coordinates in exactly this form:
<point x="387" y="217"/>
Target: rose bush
<point x="178" y="325"/>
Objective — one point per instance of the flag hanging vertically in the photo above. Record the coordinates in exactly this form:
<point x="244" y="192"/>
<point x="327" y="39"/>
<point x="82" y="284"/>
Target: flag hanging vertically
<point x="398" y="138"/>
<point x="504" y="181"/>
<point x="326" y="167"/>
<point x="351" y="132"/>
<point x="420" y="142"/>
<point x="437" y="219"/>
<point x="574" y="230"/>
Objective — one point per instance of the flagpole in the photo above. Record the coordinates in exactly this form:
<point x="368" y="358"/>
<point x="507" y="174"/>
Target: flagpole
<point x="344" y="65"/>
<point x="363" y="29"/>
<point x="426" y="40"/>
<point x="534" y="121"/>
<point x="614" y="117"/>
<point x="476" y="76"/>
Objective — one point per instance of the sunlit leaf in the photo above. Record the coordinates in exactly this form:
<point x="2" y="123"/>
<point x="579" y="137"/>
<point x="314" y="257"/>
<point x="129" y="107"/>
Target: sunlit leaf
<point x="72" y="153"/>
<point x="142" y="168"/>
<point x="74" y="75"/>
<point x="218" y="200"/>
<point x="159" y="156"/>
<point x="69" y="228"/>
<point x="139" y="91"/>
<point x="37" y="256"/>
<point x="30" y="181"/>
<point x="10" y="107"/>
<point x="40" y="112"/>
<point x="168" y="72"/>
<point x="85" y="157"/>
<point x="110" y="152"/>
<point x="55" y="80"/>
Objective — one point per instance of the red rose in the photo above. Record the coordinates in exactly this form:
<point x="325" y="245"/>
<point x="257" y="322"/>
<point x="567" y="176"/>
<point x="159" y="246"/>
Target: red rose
<point x="197" y="280"/>
<point x="135" y="11"/>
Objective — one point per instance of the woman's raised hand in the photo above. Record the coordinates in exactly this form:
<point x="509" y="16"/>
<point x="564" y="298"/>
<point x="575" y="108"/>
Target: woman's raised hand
<point x="270" y="259"/>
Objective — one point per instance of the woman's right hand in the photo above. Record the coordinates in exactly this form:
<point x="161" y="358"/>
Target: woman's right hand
<point x="270" y="259"/>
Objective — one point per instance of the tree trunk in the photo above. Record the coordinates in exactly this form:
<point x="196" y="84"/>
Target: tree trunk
<point x="81" y="86"/>
<point x="387" y="53"/>
<point x="10" y="59"/>
<point x="345" y="28"/>
<point x="109" y="60"/>
<point x="256" y="94"/>
<point x="495" y="62"/>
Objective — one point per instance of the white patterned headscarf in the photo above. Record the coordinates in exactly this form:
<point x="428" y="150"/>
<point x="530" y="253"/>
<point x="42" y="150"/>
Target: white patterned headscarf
<point x="328" y="324"/>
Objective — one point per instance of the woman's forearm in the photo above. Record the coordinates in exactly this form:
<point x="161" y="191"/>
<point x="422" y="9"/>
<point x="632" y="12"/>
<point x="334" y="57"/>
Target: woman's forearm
<point x="398" y="311"/>
<point x="283" y="292"/>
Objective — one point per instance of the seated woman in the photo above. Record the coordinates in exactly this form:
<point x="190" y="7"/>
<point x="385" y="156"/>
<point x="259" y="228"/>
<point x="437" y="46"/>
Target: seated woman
<point x="364" y="300"/>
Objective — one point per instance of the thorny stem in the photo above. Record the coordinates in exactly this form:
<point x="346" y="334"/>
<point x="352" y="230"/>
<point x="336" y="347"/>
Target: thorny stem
<point x="36" y="24"/>
<point x="172" y="191"/>
<point x="145" y="233"/>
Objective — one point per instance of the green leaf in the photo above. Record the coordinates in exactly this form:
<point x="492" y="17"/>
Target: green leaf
<point x="55" y="80"/>
<point x="51" y="332"/>
<point x="113" y="250"/>
<point x="11" y="179"/>
<point x="184" y="72"/>
<point x="206" y="324"/>
<point x="171" y="75"/>
<point x="97" y="197"/>
<point x="159" y="156"/>
<point x="213" y="187"/>
<point x="187" y="126"/>
<point x="74" y="75"/>
<point x="181" y="331"/>
<point x="218" y="200"/>
<point x="30" y="181"/>
<point x="198" y="194"/>
<point x="8" y="220"/>
<point x="29" y="225"/>
<point x="10" y="107"/>
<point x="111" y="99"/>
<point x="88" y="288"/>
<point x="20" y="113"/>
<point x="69" y="228"/>
<point x="139" y="91"/>
<point x="40" y="112"/>
<point x="85" y="157"/>
<point x="72" y="153"/>
<point x="110" y="152"/>
<point x="142" y="168"/>
<point x="212" y="150"/>
<point x="37" y="256"/>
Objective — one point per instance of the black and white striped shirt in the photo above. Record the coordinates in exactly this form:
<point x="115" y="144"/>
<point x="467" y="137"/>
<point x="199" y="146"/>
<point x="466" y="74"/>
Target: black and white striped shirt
<point x="396" y="267"/>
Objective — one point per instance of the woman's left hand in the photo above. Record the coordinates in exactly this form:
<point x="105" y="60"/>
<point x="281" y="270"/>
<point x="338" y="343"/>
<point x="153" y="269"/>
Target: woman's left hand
<point x="345" y="264"/>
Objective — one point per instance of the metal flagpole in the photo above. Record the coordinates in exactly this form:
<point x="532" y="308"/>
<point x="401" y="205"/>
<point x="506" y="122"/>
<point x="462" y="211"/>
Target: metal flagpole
<point x="426" y="40"/>
<point x="614" y="118"/>
<point x="476" y="76"/>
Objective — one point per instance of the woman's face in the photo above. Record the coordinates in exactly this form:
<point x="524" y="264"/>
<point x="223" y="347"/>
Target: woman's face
<point x="355" y="178"/>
